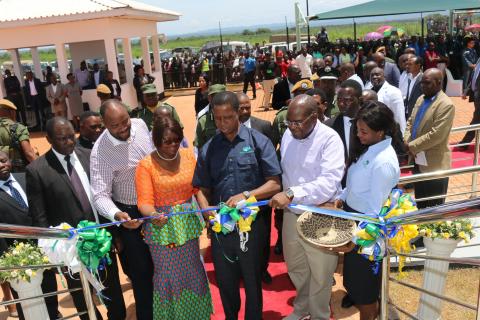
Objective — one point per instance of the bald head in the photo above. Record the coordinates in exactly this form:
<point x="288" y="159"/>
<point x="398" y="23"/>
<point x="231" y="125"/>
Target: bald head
<point x="346" y="71"/>
<point x="431" y="82"/>
<point x="293" y="73"/>
<point x="302" y="104"/>
<point x="379" y="58"/>
<point x="56" y="122"/>
<point x="244" y="108"/>
<point x="113" y="106"/>
<point x="369" y="95"/>
<point x="243" y="97"/>
<point x="162" y="112"/>
<point x="368" y="67"/>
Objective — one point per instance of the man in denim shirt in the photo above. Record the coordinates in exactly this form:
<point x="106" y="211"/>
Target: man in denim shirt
<point x="234" y="165"/>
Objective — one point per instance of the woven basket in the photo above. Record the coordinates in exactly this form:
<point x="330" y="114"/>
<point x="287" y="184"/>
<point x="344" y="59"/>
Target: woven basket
<point x="323" y="231"/>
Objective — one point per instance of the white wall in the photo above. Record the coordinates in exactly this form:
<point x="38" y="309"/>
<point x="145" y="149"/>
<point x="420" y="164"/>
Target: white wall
<point x="87" y="50"/>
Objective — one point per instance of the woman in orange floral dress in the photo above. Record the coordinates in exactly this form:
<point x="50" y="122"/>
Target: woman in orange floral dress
<point x="164" y="185"/>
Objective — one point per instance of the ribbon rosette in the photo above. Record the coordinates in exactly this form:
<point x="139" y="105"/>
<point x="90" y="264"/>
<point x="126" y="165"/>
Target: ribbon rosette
<point x="371" y="237"/>
<point x="93" y="246"/>
<point x="227" y="217"/>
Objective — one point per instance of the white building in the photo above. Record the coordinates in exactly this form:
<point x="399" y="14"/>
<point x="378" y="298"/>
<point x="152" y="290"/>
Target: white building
<point x="90" y="28"/>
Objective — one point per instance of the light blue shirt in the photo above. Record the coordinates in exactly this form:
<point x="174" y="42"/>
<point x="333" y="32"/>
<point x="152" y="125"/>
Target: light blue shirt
<point x="371" y="178"/>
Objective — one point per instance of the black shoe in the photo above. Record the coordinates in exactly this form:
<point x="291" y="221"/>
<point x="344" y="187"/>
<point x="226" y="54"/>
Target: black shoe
<point x="266" y="278"/>
<point x="347" y="302"/>
<point x="278" y="249"/>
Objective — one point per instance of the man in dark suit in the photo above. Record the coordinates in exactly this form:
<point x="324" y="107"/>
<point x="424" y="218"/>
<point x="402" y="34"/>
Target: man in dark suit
<point x="13" y="210"/>
<point x="35" y="96"/>
<point x="348" y="99"/>
<point x="414" y="89"/>
<point x="97" y="76"/>
<point x="264" y="127"/>
<point x="113" y="85"/>
<point x="58" y="191"/>
<point x="472" y="90"/>
<point x="282" y="90"/>
<point x="392" y="74"/>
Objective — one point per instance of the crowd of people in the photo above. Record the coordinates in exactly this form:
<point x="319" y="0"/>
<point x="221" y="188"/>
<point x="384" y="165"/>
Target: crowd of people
<point x="384" y="104"/>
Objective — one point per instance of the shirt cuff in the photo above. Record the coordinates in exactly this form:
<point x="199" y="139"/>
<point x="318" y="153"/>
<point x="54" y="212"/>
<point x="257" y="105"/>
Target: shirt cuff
<point x="111" y="214"/>
<point x="298" y="194"/>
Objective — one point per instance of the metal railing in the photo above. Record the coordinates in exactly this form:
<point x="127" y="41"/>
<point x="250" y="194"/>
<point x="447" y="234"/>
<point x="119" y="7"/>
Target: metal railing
<point x="24" y="232"/>
<point x="458" y="209"/>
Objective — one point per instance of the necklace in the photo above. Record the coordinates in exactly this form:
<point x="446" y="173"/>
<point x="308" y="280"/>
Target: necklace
<point x="167" y="159"/>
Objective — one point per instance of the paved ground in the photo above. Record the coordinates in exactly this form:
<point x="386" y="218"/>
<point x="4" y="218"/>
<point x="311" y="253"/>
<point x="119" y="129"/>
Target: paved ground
<point x="184" y="104"/>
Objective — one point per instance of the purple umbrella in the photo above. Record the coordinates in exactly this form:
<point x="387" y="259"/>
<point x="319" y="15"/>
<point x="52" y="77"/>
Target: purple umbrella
<point x="373" y="36"/>
<point x="383" y="28"/>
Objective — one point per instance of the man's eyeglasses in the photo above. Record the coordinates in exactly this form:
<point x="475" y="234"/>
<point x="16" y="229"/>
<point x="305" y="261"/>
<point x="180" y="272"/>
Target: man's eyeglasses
<point x="298" y="123"/>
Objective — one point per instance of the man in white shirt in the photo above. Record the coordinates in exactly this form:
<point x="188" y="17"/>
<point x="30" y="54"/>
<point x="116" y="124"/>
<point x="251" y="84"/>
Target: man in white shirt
<point x="347" y="71"/>
<point x="304" y="62"/>
<point x="312" y="179"/>
<point x="367" y="69"/>
<point x="390" y="95"/>
<point x="83" y="76"/>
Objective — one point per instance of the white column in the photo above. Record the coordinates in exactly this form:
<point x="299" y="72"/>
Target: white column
<point x="3" y="93"/>
<point x="62" y="61"/>
<point x="36" y="62"/>
<point x="435" y="276"/>
<point x="111" y="52"/>
<point x="156" y="53"/>
<point x="127" y="54"/>
<point x="17" y="66"/>
<point x="147" y="66"/>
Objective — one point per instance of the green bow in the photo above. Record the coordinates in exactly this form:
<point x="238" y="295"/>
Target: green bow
<point x="93" y="245"/>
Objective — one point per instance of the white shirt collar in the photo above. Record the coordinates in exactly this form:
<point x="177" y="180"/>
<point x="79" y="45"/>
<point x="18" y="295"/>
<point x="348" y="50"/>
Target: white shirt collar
<point x="61" y="157"/>
<point x="410" y="76"/>
<point x="248" y="123"/>
<point x="117" y="142"/>
<point x="11" y="177"/>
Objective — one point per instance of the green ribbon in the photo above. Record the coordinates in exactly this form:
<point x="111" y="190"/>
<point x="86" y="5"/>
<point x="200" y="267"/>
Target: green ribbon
<point x="93" y="245"/>
<point x="374" y="231"/>
<point x="231" y="216"/>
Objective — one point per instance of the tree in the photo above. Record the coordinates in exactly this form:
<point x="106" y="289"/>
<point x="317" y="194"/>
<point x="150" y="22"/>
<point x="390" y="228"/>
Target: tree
<point x="247" y="32"/>
<point x="263" y="30"/>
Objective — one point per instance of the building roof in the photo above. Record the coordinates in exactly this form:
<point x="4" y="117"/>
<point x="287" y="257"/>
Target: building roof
<point x="31" y="12"/>
<point x="394" y="7"/>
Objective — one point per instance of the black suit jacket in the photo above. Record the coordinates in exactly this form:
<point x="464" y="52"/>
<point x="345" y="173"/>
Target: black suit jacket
<point x="39" y="86"/>
<point x="117" y="87"/>
<point x="415" y="93"/>
<point x="262" y="126"/>
<point x="336" y="123"/>
<point x="11" y="212"/>
<point x="50" y="193"/>
<point x="281" y="93"/>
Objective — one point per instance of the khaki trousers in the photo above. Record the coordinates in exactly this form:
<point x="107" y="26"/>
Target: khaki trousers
<point x="267" y="91"/>
<point x="310" y="269"/>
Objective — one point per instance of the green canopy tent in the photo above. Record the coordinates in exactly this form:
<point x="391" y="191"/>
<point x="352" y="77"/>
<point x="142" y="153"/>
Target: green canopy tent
<point x="395" y="7"/>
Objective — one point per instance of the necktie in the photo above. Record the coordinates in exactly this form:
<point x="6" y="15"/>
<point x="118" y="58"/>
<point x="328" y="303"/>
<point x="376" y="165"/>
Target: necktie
<point x="408" y="95"/>
<point x="15" y="194"/>
<point x="78" y="187"/>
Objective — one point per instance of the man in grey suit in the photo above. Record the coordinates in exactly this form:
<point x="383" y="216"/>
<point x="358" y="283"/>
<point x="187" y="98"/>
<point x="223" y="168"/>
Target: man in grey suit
<point x="392" y="74"/>
<point x="414" y="78"/>
<point x="56" y="96"/>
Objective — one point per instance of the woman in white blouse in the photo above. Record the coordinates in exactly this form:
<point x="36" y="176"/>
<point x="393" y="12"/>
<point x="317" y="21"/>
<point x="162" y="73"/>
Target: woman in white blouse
<point x="372" y="172"/>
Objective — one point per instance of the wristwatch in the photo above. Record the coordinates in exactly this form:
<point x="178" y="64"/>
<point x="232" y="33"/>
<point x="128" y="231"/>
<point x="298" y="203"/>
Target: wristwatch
<point x="246" y="194"/>
<point x="289" y="194"/>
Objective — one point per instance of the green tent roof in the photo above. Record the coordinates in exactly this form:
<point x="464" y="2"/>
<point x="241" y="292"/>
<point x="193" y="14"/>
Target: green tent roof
<point x="393" y="7"/>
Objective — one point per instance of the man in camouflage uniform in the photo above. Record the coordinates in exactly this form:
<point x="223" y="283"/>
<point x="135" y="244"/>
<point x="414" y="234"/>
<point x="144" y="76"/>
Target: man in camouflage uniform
<point x="150" y="97"/>
<point x="206" y="127"/>
<point x="14" y="138"/>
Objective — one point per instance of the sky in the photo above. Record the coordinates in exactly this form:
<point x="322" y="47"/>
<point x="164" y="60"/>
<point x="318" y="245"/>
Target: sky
<point x="198" y="15"/>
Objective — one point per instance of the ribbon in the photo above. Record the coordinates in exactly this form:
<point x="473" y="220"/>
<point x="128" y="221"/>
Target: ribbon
<point x="93" y="246"/>
<point x="242" y="217"/>
<point x="372" y="238"/>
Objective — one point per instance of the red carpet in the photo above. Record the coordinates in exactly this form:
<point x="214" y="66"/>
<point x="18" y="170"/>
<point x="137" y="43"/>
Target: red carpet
<point x="277" y="297"/>
<point x="459" y="159"/>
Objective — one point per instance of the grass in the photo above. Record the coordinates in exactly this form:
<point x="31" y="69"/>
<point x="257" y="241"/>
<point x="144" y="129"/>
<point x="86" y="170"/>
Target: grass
<point x="462" y="284"/>
<point x="338" y="31"/>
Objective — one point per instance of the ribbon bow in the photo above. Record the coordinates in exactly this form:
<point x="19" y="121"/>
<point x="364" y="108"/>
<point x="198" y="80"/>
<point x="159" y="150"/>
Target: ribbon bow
<point x="93" y="246"/>
<point x="371" y="237"/>
<point x="227" y="217"/>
